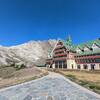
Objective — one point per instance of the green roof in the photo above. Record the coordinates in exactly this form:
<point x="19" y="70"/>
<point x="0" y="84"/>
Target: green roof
<point x="89" y="44"/>
<point x="69" y="47"/>
<point x="81" y="46"/>
<point x="88" y="52"/>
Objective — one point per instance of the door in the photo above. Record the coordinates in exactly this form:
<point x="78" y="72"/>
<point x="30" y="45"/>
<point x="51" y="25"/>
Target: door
<point x="92" y="66"/>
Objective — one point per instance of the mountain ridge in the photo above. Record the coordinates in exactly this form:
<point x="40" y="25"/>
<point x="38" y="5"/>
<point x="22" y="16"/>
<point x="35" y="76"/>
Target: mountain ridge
<point x="29" y="53"/>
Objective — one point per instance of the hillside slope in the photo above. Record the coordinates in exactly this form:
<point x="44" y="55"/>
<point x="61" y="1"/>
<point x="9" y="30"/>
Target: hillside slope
<point x="30" y="53"/>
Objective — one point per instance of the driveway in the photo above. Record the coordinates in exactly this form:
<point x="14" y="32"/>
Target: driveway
<point x="51" y="87"/>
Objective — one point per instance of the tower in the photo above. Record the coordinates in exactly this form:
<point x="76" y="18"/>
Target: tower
<point x="69" y="41"/>
<point x="70" y="56"/>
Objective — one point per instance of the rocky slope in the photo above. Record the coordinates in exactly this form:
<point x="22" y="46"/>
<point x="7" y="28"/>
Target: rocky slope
<point x="31" y="53"/>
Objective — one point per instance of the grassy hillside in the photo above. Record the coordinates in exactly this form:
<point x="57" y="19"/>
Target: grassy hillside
<point x="10" y="76"/>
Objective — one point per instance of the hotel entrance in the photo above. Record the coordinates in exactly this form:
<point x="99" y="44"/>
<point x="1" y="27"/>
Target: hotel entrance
<point x="60" y="64"/>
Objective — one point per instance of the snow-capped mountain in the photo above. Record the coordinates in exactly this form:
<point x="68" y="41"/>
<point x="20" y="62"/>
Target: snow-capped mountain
<point x="30" y="53"/>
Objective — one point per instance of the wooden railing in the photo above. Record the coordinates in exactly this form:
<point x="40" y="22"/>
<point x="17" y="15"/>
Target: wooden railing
<point x="86" y="57"/>
<point x="59" y="47"/>
<point x="62" y="58"/>
<point x="62" y="54"/>
<point x="60" y="50"/>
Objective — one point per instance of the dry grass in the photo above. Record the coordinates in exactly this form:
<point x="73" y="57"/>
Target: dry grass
<point x="9" y="76"/>
<point x="82" y="75"/>
<point x="7" y="72"/>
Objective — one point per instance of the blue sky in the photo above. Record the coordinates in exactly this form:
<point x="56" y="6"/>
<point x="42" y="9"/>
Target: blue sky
<point x="25" y="20"/>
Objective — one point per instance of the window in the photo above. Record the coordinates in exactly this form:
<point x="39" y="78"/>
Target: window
<point x="72" y="66"/>
<point x="59" y="52"/>
<point x="60" y="64"/>
<point x="85" y="66"/>
<point x="94" y="46"/>
<point x="56" y="64"/>
<point x="86" y="48"/>
<point x="78" y="50"/>
<point x="97" y="60"/>
<point x="64" y="64"/>
<point x="78" y="67"/>
<point x="50" y="66"/>
<point x="92" y="66"/>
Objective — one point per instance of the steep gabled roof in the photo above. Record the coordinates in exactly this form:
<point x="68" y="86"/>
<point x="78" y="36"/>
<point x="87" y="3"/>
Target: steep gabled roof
<point x="97" y="41"/>
<point x="88" y="44"/>
<point x="68" y="47"/>
<point x="88" y="52"/>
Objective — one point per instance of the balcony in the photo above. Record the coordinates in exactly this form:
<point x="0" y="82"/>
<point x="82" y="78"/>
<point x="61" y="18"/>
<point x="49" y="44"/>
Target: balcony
<point x="86" y="57"/>
<point x="59" y="47"/>
<point x="62" y="54"/>
<point x="60" y="50"/>
<point x="62" y="58"/>
<point x="87" y="61"/>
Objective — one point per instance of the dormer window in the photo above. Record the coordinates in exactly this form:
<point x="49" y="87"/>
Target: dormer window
<point x="91" y="49"/>
<point x="82" y="50"/>
<point x="78" y="50"/>
<point x="86" y="48"/>
<point x="94" y="46"/>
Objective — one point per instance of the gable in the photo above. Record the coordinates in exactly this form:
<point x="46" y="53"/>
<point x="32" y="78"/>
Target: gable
<point x="95" y="46"/>
<point x="78" y="49"/>
<point x="59" y="43"/>
<point x="86" y="48"/>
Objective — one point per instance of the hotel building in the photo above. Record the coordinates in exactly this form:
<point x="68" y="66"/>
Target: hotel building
<point x="84" y="56"/>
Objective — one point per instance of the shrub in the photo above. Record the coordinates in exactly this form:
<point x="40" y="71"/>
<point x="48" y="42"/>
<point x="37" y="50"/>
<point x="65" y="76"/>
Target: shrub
<point x="83" y="82"/>
<point x="18" y="67"/>
<point x="71" y="76"/>
<point x="22" y="66"/>
<point x="98" y="87"/>
<point x="92" y="86"/>
<point x="13" y="64"/>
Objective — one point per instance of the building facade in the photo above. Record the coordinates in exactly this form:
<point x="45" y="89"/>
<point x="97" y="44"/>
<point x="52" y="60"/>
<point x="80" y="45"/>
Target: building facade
<point x="65" y="55"/>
